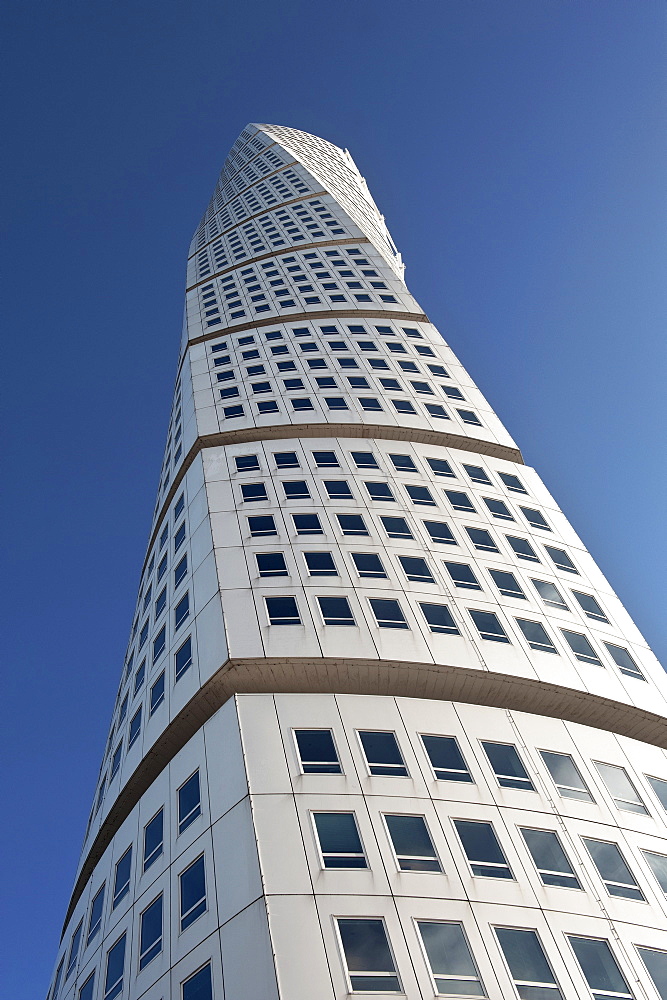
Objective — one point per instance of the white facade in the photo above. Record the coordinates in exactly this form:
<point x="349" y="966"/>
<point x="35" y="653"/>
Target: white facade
<point x="383" y="726"/>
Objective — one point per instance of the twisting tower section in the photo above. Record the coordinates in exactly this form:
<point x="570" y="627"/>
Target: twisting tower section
<point x="382" y="726"/>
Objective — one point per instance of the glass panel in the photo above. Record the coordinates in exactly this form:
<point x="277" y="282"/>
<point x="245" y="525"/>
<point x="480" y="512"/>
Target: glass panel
<point x="658" y="864"/>
<point x="199" y="986"/>
<point x="550" y="594"/>
<point x="193" y="893"/>
<point x="599" y="968"/>
<point x="507" y="766"/>
<point x="612" y="868"/>
<point x="368" y="956"/>
<point x="659" y="786"/>
<point x="439" y="618"/>
<point x="382" y="753"/>
<point x="566" y="776"/>
<point x="527" y="964"/>
<point x="446" y="758"/>
<point x="550" y="859"/>
<point x="656" y="964"/>
<point x="189" y="802"/>
<point x="452" y="965"/>
<point x="113" y="984"/>
<point x="482" y="849"/>
<point x="153" y="839"/>
<point x="621" y="788"/>
<point x="150" y="936"/>
<point x="317" y="751"/>
<point x="339" y="839"/>
<point x="412" y="844"/>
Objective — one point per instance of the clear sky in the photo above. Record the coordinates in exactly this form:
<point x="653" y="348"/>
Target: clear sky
<point x="518" y="149"/>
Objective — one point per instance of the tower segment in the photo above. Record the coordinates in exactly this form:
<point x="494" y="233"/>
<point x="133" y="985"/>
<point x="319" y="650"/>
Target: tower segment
<point x="382" y="725"/>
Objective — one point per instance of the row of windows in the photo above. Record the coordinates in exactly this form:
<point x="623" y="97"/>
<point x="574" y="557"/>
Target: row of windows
<point x="370" y="404"/>
<point x="354" y="329"/>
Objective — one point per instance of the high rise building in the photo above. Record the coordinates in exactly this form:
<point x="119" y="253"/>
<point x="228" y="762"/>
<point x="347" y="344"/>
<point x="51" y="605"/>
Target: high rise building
<point x="383" y="726"/>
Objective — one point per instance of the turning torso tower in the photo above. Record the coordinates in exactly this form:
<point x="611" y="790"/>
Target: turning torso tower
<point x="382" y="726"/>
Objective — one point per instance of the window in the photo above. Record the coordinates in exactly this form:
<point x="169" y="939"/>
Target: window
<point x="448" y="954"/>
<point x="121" y="885"/>
<point x="403" y="406"/>
<point x="189" y="802"/>
<point x="262" y="525"/>
<point x="403" y="463"/>
<point x="462" y="576"/>
<point x="621" y="788"/>
<point x="566" y="776"/>
<point x="267" y="406"/>
<point x="183" y="658"/>
<point x="475" y="472"/>
<point x="320" y="564"/>
<point x="605" y="979"/>
<point x="468" y="417"/>
<point x="656" y="966"/>
<point x="482" y="540"/>
<point x="162" y="567"/>
<point x="193" y="892"/>
<point x="271" y="564"/>
<point x="95" y="920"/>
<point x="507" y="584"/>
<point x="439" y="618"/>
<point x="561" y="559"/>
<point x="624" y="661"/>
<point x="156" y="693"/>
<point x="302" y="403"/>
<point x="181" y="571"/>
<point x="612" y="869"/>
<point x="282" y="611"/>
<point x="307" y="524"/>
<point x="115" y="760"/>
<point x="338" y="489"/>
<point x="158" y="644"/>
<point x="150" y="933"/>
<point x="512" y="482"/>
<point x="179" y="537"/>
<point x="317" y="751"/>
<point x="396" y="527"/>
<point x="286" y="460"/>
<point x="113" y="982"/>
<point x="181" y="611"/>
<point x="326" y="459"/>
<point x="369" y="564"/>
<point x="336" y="611"/>
<point x="522" y="548"/>
<point x="550" y="594"/>
<point x="251" y="492"/>
<point x="58" y="979"/>
<point x="364" y="459"/>
<point x="416" y="569"/>
<point x="446" y="758"/>
<point x="135" y="728"/>
<point x="352" y="524"/>
<point x="296" y="490"/>
<point x="460" y="501"/>
<point x="199" y="986"/>
<point x="581" y="647"/>
<point x="482" y="849"/>
<point x="498" y="509"/>
<point x="507" y="766"/>
<point x="529" y="969"/>
<point x="440" y="532"/>
<point x="245" y="463"/>
<point x="380" y="491"/>
<point x="535" y="518"/>
<point x="382" y="754"/>
<point x="153" y="839"/>
<point x="388" y="613"/>
<point x="659" y="786"/>
<point x="412" y="843"/>
<point x="339" y="841"/>
<point x="658" y="865"/>
<point x="73" y="950"/>
<point x="87" y="990"/>
<point x="550" y="859"/>
<point x="536" y="635"/>
<point x="488" y="626"/>
<point x="420" y="496"/>
<point x="368" y="958"/>
<point x="439" y="467"/>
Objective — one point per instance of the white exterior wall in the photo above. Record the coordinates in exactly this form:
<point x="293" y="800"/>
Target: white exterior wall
<point x="300" y="337"/>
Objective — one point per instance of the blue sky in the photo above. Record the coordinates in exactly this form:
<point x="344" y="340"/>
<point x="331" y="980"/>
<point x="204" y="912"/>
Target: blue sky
<point x="518" y="150"/>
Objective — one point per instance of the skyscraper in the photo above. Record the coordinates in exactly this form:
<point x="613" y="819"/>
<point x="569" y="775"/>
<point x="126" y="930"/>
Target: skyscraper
<point x="382" y="726"/>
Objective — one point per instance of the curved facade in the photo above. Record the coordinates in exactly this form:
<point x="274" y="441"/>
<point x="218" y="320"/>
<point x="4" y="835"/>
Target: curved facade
<point x="383" y="726"/>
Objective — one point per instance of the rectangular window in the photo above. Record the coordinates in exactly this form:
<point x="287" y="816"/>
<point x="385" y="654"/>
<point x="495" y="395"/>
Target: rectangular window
<point x="153" y="839"/>
<point x="656" y="966"/>
<point x="339" y="841"/>
<point x="307" y="524"/>
<point x="88" y="989"/>
<point x="624" y="661"/>
<point x="382" y="753"/>
<point x="388" y="613"/>
<point x="338" y="489"/>
<point x="369" y="565"/>
<point x="95" y="921"/>
<point x="396" y="527"/>
<point x="482" y="540"/>
<point x="412" y="844"/>
<point x="317" y="751"/>
<point x="352" y="524"/>
<point x="550" y="859"/>
<point x="296" y="490"/>
<point x="193" y="892"/>
<point x="528" y="965"/>
<point x="368" y="958"/>
<point x="150" y="933"/>
<point x="535" y="518"/>
<point x="566" y="776"/>
<point x="612" y="869"/>
<point x="416" y="569"/>
<point x="449" y="958"/>
<point x="121" y="885"/>
<point x="462" y="576"/>
<point x="73" y="951"/>
<point x="561" y="559"/>
<point x="135" y="728"/>
<point x="550" y="594"/>
<point x="199" y="986"/>
<point x="512" y="482"/>
<point x="181" y="611"/>
<point x="364" y="459"/>
<point x="403" y="463"/>
<point x="507" y="766"/>
<point x="581" y="647"/>
<point x="181" y="571"/>
<point x="621" y="788"/>
<point x="113" y="982"/>
<point x="157" y="693"/>
<point x="536" y="635"/>
<point x="282" y="611"/>
<point x="507" y="584"/>
<point x="326" y="459"/>
<point x="420" y="496"/>
<point x="440" y="532"/>
<point x="601" y="972"/>
<point x="488" y="626"/>
<point x="498" y="509"/>
<point x="440" y="467"/>
<point x="179" y="537"/>
<point x="159" y="643"/>
<point x="659" y="786"/>
<point x="380" y="492"/>
<point x="183" y="658"/>
<point x="336" y="611"/>
<point x="189" y="802"/>
<point x="320" y="564"/>
<point x="262" y="525"/>
<point x="446" y="758"/>
<point x="476" y="472"/>
<point x="522" y="548"/>
<point x="460" y="501"/>
<point x="482" y="849"/>
<point x="271" y="564"/>
<point x="251" y="492"/>
<point x="658" y="865"/>
<point x="246" y="463"/>
<point x="439" y="618"/>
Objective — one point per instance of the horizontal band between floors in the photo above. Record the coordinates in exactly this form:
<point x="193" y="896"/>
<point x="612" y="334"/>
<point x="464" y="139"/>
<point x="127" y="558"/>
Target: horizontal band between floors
<point x="404" y="679"/>
<point x="380" y="432"/>
<point x="227" y="331"/>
